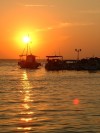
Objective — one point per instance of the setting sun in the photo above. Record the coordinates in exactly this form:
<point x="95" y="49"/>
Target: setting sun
<point x="26" y="39"/>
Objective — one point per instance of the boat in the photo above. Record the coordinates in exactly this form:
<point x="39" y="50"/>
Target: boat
<point x="90" y="64"/>
<point x="55" y="63"/>
<point x="28" y="60"/>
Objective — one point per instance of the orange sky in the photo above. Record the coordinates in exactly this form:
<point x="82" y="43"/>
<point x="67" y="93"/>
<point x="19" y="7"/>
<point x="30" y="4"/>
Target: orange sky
<point x="54" y="26"/>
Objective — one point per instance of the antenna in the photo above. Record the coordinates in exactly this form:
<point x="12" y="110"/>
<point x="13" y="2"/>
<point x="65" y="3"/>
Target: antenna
<point x="78" y="51"/>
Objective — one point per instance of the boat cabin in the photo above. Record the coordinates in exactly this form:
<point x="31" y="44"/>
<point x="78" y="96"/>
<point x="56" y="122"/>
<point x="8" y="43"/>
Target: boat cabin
<point x="54" y="63"/>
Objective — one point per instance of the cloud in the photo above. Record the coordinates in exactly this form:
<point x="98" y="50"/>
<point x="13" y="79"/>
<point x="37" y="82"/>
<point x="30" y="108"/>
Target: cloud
<point x="27" y="5"/>
<point x="66" y="24"/>
<point x="62" y="25"/>
<point x="91" y="11"/>
<point x="83" y="24"/>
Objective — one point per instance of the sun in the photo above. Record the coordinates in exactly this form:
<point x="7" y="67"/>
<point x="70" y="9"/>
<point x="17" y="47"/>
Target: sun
<point x="23" y="38"/>
<point x="26" y="39"/>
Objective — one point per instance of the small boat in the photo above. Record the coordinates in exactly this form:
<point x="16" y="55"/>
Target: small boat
<point x="55" y="63"/>
<point x="28" y="60"/>
<point x="92" y="63"/>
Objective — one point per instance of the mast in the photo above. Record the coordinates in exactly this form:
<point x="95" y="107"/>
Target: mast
<point x="27" y="45"/>
<point x="27" y="50"/>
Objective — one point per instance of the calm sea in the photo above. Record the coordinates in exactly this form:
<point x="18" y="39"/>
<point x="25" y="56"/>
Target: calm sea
<point x="38" y="101"/>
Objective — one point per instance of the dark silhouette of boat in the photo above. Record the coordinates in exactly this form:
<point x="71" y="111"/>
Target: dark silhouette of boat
<point x="28" y="60"/>
<point x="90" y="64"/>
<point x="55" y="63"/>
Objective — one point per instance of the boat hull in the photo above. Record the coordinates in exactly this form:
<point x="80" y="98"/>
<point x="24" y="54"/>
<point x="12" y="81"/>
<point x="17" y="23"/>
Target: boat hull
<point x="32" y="65"/>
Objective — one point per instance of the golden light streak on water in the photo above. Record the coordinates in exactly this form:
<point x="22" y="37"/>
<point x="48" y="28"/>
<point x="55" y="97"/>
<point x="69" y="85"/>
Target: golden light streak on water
<point x="26" y="112"/>
<point x="26" y="128"/>
<point x="26" y="106"/>
<point x="26" y="119"/>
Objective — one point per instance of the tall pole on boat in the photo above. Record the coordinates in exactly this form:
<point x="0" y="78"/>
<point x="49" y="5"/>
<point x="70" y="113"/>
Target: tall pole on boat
<point x="27" y="40"/>
<point x="27" y="50"/>
<point x="78" y="52"/>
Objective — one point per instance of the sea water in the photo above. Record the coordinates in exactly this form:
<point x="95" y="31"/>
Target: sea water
<point x="40" y="101"/>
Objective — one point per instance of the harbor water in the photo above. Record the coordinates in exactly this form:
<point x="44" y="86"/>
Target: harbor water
<point x="40" y="101"/>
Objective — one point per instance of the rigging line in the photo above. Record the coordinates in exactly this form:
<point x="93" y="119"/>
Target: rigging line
<point x="23" y="51"/>
<point x="30" y="50"/>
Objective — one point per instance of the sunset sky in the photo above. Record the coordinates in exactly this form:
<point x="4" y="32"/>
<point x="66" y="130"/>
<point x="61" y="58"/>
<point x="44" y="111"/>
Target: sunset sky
<point x="54" y="27"/>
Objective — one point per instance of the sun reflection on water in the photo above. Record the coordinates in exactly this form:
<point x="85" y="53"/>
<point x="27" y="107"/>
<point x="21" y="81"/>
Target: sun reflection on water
<point x="26" y="119"/>
<point x="32" y="107"/>
<point x="26" y="107"/>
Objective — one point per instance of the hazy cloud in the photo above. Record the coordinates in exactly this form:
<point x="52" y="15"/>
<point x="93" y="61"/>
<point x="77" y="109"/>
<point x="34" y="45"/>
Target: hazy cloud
<point x="66" y="24"/>
<point x="32" y="5"/>
<point x="91" y="11"/>
<point x="83" y="24"/>
<point x="63" y="25"/>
